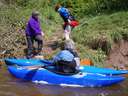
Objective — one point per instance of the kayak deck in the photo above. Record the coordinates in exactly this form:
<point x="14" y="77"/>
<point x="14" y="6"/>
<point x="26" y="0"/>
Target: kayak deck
<point x="81" y="79"/>
<point x="90" y="69"/>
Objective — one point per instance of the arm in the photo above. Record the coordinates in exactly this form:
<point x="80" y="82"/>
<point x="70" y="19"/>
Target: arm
<point x="76" y="58"/>
<point x="69" y="21"/>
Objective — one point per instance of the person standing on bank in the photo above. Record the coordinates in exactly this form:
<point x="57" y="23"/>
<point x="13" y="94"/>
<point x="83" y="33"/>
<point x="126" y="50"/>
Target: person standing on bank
<point x="69" y="20"/>
<point x="34" y="33"/>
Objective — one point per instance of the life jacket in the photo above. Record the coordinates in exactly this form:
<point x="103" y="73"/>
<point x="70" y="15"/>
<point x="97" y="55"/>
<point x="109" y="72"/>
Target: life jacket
<point x="64" y="55"/>
<point x="64" y="12"/>
<point x="65" y="62"/>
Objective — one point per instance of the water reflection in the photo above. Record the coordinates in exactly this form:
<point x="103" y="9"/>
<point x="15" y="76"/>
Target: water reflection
<point x="20" y="88"/>
<point x="10" y="86"/>
<point x="68" y="91"/>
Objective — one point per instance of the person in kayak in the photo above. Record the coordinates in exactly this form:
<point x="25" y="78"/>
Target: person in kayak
<point x="69" y="20"/>
<point x="67" y="60"/>
<point x="34" y="33"/>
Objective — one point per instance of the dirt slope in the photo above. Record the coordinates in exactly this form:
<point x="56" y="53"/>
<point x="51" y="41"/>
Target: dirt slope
<point x="118" y="56"/>
<point x="16" y="45"/>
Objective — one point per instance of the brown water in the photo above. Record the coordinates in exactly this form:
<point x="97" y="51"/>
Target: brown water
<point x="10" y="86"/>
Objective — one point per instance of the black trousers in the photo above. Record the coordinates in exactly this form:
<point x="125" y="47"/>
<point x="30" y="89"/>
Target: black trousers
<point x="30" y="44"/>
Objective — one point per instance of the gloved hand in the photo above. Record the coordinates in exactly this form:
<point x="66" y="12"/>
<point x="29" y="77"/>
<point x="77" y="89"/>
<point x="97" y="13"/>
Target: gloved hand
<point x="42" y="33"/>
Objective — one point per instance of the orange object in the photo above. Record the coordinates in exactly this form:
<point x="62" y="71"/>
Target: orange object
<point x="86" y="62"/>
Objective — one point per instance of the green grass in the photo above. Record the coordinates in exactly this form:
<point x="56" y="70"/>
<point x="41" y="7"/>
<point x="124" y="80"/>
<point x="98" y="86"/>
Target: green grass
<point x="18" y="13"/>
<point x="99" y="26"/>
<point x="100" y="32"/>
<point x="96" y="56"/>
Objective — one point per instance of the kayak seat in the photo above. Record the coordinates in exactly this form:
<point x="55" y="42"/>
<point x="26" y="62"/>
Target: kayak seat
<point x="64" y="73"/>
<point x="63" y="67"/>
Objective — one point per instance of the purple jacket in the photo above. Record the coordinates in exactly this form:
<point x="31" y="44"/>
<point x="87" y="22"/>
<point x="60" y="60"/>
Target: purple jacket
<point x="33" y="27"/>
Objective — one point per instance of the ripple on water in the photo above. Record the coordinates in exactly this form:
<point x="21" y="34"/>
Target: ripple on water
<point x="5" y="93"/>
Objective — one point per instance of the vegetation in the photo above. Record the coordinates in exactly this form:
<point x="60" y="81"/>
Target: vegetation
<point x="102" y="22"/>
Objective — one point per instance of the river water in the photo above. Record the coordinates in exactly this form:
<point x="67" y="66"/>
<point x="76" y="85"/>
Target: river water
<point x="10" y="86"/>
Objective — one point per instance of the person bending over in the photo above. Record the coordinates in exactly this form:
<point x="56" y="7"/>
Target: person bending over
<point x="69" y="20"/>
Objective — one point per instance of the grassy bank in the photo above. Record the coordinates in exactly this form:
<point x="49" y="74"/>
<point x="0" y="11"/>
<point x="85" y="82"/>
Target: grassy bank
<point x="102" y="23"/>
<point x="98" y="33"/>
<point x="14" y="15"/>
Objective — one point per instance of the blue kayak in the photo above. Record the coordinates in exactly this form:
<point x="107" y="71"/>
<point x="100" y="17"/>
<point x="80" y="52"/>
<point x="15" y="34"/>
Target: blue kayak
<point x="80" y="79"/>
<point x="90" y="69"/>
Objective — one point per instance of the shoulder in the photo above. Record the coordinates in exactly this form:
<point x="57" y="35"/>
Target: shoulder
<point x="32" y="20"/>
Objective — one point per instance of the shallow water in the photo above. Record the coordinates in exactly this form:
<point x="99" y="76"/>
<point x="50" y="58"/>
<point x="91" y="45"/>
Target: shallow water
<point x="10" y="86"/>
